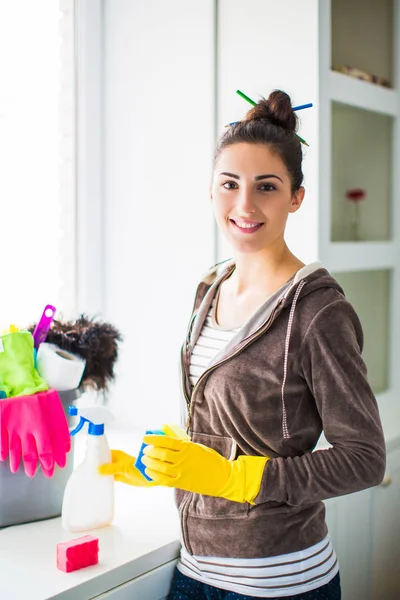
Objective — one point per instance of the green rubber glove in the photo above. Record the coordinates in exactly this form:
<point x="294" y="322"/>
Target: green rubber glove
<point x="17" y="369"/>
<point x="183" y="464"/>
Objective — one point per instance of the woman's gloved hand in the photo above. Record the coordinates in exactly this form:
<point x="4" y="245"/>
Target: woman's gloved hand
<point x="124" y="470"/>
<point x="183" y="464"/>
<point x="123" y="464"/>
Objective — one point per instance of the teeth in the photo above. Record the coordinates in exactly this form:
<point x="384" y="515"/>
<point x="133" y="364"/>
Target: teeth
<point x="246" y="225"/>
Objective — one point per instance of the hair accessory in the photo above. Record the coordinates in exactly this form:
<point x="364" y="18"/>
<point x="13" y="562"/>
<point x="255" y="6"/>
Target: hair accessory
<point x="250" y="101"/>
<point x="302" y="141"/>
<point x="246" y="98"/>
<point x="301" y="106"/>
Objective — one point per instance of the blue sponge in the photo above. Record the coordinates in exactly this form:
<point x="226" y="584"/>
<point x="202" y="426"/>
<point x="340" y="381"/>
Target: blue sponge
<point x="138" y="464"/>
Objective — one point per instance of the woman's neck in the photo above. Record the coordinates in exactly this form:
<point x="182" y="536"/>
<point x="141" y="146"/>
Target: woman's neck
<point x="263" y="271"/>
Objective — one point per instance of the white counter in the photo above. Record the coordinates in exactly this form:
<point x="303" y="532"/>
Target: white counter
<point x="143" y="536"/>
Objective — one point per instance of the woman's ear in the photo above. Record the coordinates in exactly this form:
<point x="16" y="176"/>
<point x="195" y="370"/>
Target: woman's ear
<point x="297" y="199"/>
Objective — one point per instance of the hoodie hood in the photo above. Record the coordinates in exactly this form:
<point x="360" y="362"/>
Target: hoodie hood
<point x="308" y="279"/>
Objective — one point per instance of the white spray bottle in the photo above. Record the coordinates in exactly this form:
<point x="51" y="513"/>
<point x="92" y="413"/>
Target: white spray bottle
<point x="88" y="501"/>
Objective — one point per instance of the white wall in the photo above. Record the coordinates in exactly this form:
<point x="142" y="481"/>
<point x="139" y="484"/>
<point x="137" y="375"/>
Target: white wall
<point x="163" y="90"/>
<point x="265" y="45"/>
<point x="159" y="130"/>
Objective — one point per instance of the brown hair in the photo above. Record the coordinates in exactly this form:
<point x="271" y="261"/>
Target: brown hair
<point x="274" y="123"/>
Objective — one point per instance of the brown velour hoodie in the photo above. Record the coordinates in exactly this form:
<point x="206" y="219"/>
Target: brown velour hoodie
<point x="293" y="370"/>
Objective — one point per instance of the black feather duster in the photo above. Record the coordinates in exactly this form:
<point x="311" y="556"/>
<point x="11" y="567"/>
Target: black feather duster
<point x="93" y="340"/>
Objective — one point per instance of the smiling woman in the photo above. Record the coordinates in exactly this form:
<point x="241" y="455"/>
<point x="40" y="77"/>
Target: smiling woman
<point x="271" y="358"/>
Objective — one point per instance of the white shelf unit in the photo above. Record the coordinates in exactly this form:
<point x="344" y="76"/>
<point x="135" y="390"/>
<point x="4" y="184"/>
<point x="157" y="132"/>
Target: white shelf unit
<point x="381" y="258"/>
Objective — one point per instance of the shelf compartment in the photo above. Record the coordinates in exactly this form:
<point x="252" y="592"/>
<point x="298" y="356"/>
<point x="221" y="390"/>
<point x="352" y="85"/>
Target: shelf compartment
<point x="369" y="293"/>
<point x="362" y="35"/>
<point x="361" y="158"/>
<point x="362" y="94"/>
<point x="362" y="256"/>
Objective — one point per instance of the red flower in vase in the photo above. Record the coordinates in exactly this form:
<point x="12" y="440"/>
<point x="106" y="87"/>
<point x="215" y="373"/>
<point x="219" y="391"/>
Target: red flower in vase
<point x="356" y="194"/>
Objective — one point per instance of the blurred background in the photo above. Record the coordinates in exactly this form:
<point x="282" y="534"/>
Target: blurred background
<point x="109" y="112"/>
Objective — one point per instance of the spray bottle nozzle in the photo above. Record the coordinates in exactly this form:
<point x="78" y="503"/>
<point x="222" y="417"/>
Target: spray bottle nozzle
<point x="79" y="426"/>
<point x="96" y="416"/>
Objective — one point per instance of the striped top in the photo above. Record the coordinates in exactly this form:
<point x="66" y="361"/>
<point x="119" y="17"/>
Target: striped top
<point x="272" y="577"/>
<point x="211" y="340"/>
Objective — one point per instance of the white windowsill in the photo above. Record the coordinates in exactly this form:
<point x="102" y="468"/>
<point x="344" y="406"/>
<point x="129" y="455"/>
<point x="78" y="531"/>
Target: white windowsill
<point x="143" y="536"/>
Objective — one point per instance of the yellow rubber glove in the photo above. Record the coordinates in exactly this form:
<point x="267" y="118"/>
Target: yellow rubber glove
<point x="186" y="465"/>
<point x="124" y="470"/>
<point x="123" y="464"/>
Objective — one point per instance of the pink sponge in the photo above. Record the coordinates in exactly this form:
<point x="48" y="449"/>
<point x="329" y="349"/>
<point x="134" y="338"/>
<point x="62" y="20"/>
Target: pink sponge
<point x="78" y="553"/>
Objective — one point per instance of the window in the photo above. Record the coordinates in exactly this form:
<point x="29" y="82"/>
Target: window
<point x="37" y="181"/>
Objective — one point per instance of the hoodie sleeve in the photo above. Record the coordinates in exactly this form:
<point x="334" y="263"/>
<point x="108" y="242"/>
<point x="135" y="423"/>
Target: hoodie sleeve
<point x="330" y="362"/>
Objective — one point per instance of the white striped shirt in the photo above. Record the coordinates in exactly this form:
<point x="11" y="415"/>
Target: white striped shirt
<point x="211" y="340"/>
<point x="272" y="577"/>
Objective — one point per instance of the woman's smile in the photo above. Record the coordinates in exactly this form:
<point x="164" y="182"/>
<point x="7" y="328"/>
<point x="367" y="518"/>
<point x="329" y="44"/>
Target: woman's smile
<point x="246" y="227"/>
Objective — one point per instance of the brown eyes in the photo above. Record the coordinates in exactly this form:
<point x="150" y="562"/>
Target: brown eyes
<point x="268" y="187"/>
<point x="263" y="187"/>
<point x="230" y="185"/>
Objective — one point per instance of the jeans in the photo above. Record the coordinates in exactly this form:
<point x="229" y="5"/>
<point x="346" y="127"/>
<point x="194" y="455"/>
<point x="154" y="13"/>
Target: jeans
<point x="186" y="588"/>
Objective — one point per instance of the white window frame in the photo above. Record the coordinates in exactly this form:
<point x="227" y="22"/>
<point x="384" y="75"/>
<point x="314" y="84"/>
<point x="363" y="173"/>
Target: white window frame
<point x="89" y="150"/>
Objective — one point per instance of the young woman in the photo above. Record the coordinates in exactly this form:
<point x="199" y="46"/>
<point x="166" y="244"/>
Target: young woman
<point x="272" y="357"/>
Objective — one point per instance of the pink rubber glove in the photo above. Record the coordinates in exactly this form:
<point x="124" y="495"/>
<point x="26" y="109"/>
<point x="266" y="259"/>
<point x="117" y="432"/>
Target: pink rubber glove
<point x="35" y="428"/>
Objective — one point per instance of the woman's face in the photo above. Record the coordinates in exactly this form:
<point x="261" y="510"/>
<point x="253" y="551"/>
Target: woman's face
<point x="251" y="196"/>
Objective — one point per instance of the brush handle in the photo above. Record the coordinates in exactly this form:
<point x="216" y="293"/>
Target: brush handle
<point x="42" y="328"/>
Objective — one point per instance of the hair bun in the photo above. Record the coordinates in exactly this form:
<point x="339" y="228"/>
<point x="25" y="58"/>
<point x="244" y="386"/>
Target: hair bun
<point x="277" y="109"/>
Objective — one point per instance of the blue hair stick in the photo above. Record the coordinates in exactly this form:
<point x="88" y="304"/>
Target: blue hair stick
<point x="301" y="106"/>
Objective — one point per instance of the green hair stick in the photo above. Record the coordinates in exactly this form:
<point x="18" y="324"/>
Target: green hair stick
<point x="246" y="98"/>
